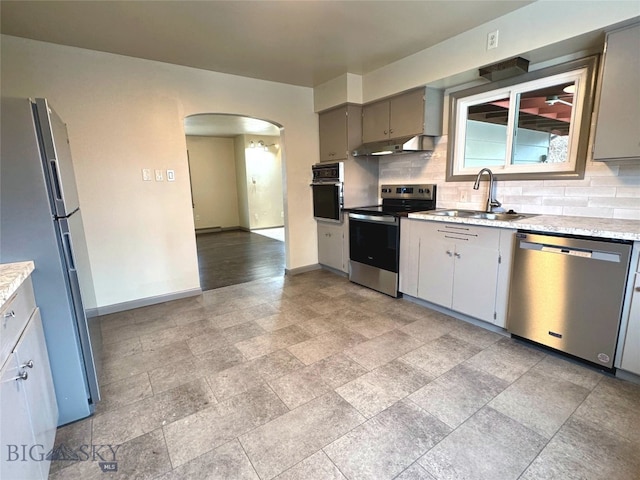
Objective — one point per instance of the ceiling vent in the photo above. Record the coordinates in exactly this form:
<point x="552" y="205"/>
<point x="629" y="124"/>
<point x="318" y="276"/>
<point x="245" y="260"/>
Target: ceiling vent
<point x="508" y="68"/>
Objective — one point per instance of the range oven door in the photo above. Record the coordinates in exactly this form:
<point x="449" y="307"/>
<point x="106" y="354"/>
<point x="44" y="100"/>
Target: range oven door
<point x="327" y="201"/>
<point x="374" y="251"/>
<point x="374" y="240"/>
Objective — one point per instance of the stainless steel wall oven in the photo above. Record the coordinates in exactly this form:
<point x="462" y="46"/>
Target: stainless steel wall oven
<point x="327" y="186"/>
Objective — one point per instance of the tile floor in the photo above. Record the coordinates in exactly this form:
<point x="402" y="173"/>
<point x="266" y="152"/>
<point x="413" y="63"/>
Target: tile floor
<point x="313" y="377"/>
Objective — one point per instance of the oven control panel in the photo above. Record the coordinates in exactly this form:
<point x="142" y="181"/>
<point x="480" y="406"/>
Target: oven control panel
<point x="415" y="191"/>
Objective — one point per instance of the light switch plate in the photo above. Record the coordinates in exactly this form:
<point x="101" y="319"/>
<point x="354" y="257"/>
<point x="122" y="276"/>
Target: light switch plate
<point x="159" y="176"/>
<point x="146" y="174"/>
<point x="171" y="176"/>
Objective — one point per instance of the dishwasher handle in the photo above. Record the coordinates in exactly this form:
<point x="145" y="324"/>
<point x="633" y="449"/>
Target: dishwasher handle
<point x="573" y="252"/>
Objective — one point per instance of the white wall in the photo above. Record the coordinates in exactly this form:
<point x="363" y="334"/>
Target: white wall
<point x="213" y="182"/>
<point x="264" y="183"/>
<point x="532" y="27"/>
<point x="241" y="182"/>
<point x="125" y="114"/>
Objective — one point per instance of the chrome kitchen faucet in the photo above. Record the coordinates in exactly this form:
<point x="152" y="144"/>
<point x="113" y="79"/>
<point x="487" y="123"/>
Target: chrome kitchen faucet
<point x="493" y="205"/>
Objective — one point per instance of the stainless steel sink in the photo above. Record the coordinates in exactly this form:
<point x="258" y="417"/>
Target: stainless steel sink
<point x="480" y="215"/>
<point x="454" y="213"/>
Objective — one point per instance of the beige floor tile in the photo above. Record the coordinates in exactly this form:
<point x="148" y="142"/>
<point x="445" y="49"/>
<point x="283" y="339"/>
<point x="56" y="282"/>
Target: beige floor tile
<point x="382" y="349"/>
<point x="540" y="402"/>
<point x="506" y="359"/>
<point x="581" y="450"/>
<point x="325" y="345"/>
<point x="429" y="328"/>
<point x="270" y="342"/>
<point x="299" y="387"/>
<point x="337" y="370"/>
<point x="487" y="446"/>
<point x="415" y="472"/>
<point x="386" y="445"/>
<point x="567" y="369"/>
<point x="316" y="467"/>
<point x="206" y="341"/>
<point x="212" y="427"/>
<point x="292" y="437"/>
<point x="173" y="375"/>
<point x="458" y="394"/>
<point x="130" y="421"/>
<point x="243" y="331"/>
<point x="144" y="457"/>
<point x="71" y="437"/>
<point x="478" y="336"/>
<point x="225" y="462"/>
<point x="202" y="394"/>
<point x="124" y="392"/>
<point x="614" y="405"/>
<point x="440" y="355"/>
<point x="123" y="367"/>
<point x="380" y="388"/>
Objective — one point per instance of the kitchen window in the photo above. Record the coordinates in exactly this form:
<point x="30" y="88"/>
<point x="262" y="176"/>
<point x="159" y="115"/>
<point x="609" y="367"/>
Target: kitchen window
<point x="532" y="126"/>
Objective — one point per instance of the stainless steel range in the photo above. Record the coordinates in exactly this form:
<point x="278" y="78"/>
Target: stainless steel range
<point x="374" y="235"/>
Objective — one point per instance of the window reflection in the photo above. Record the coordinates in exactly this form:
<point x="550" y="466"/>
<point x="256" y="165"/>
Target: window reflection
<point x="543" y="125"/>
<point x="486" y="134"/>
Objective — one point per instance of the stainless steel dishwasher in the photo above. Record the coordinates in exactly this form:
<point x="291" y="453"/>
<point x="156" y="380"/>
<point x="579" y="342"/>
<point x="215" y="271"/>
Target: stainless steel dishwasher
<point x="567" y="293"/>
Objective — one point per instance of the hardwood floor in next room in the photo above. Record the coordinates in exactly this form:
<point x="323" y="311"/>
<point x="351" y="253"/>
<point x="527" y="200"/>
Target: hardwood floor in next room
<point x="237" y="256"/>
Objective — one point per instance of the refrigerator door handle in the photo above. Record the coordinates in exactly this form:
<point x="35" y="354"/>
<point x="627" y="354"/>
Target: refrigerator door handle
<point x="68" y="249"/>
<point x="56" y="180"/>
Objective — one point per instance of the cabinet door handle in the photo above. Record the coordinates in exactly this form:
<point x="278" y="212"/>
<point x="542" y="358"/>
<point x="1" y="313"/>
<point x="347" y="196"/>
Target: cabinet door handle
<point x="22" y="376"/>
<point x="29" y="364"/>
<point x="10" y="314"/>
<point x="391" y="130"/>
<point x="449" y="252"/>
<point x="457" y="255"/>
<point x="386" y="133"/>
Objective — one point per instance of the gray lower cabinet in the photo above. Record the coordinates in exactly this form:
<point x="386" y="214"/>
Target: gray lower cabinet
<point x="28" y="408"/>
<point x="630" y="360"/>
<point x="618" y="118"/>
<point x="461" y="267"/>
<point x="331" y="246"/>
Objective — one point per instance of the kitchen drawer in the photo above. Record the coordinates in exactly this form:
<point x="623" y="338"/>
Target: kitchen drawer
<point x="463" y="232"/>
<point x="14" y="317"/>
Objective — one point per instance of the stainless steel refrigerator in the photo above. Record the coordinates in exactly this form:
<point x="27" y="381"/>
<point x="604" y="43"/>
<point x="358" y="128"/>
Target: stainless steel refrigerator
<point x="41" y="220"/>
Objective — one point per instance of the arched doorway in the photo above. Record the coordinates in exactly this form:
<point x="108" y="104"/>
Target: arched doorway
<point x="235" y="166"/>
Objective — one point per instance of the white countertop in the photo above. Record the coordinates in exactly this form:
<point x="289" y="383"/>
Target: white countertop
<point x="11" y="277"/>
<point x="587" y="226"/>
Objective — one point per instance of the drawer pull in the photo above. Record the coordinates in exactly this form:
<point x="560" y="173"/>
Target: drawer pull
<point x="10" y="314"/>
<point x="22" y="376"/>
<point x="29" y="364"/>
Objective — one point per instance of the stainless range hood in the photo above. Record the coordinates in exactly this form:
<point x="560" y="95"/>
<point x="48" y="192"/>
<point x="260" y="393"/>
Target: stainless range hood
<point x="417" y="143"/>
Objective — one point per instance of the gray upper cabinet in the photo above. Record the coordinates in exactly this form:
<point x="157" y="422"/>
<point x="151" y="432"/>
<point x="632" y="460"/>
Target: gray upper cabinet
<point x="618" y="122"/>
<point x="340" y="132"/>
<point x="414" y="112"/>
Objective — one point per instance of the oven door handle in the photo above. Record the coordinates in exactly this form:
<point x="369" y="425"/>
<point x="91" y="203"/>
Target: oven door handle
<point x="321" y="184"/>
<point x="387" y="219"/>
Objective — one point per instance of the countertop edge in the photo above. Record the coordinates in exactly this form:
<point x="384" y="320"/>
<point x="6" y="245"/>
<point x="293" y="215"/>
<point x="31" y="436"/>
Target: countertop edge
<point x="586" y="226"/>
<point x="12" y="275"/>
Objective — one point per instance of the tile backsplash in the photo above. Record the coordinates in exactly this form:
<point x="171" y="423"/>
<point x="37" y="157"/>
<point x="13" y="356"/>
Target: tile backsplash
<point x="608" y="190"/>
